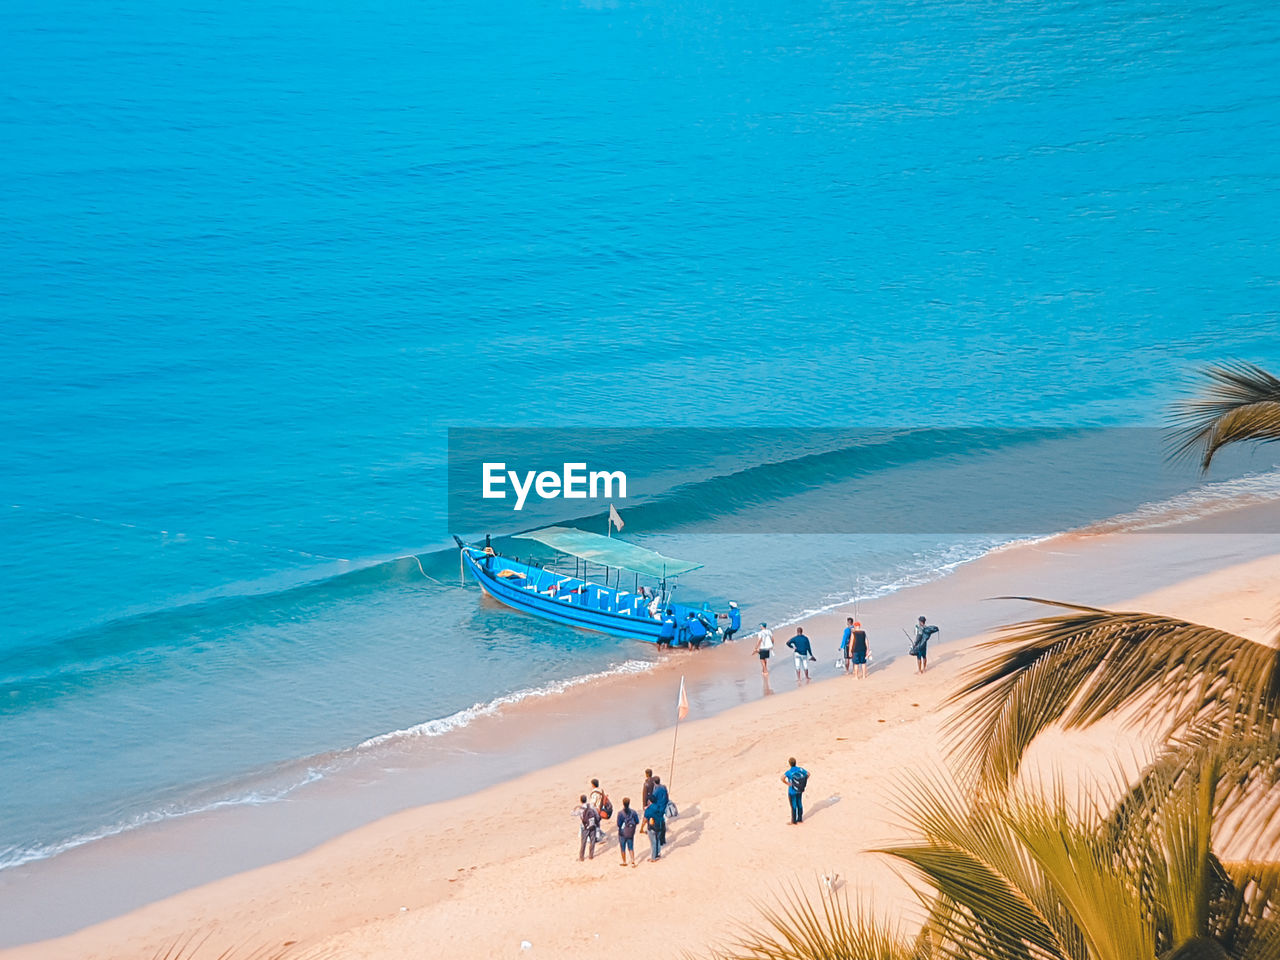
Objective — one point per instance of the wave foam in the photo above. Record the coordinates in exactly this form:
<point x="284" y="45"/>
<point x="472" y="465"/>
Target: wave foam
<point x="443" y="725"/>
<point x="17" y="856"/>
<point x="1213" y="497"/>
<point x="314" y="768"/>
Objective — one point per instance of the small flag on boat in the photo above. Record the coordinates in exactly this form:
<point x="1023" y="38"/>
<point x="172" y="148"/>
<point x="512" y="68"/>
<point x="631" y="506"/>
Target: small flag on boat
<point x="682" y="707"/>
<point x="614" y="518"/>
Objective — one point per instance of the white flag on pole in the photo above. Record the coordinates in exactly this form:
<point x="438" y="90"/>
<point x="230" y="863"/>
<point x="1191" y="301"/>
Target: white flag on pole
<point x="682" y="705"/>
<point x="614" y="518"/>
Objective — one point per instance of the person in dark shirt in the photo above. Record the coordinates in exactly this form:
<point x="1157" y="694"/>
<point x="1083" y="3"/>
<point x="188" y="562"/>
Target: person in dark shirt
<point x="627" y="821"/>
<point x="588" y="822"/>
<point x="697" y="632"/>
<point x="845" y="652"/>
<point x="920" y="647"/>
<point x="796" y="778"/>
<point x="859" y="651"/>
<point x="804" y="652"/>
<point x="655" y="817"/>
<point x="646" y="795"/>
<point x="660" y="799"/>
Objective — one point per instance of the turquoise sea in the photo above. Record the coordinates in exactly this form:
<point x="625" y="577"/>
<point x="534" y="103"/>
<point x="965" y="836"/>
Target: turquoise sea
<point x="257" y="258"/>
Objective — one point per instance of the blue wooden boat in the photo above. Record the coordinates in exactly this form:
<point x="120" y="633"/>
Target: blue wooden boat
<point x="603" y="602"/>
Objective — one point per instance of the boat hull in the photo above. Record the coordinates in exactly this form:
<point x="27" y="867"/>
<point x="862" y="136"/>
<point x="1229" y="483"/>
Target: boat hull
<point x="588" y="606"/>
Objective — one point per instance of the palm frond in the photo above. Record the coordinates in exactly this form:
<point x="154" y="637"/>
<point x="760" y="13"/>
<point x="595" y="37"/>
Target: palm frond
<point x="1199" y="948"/>
<point x="1078" y="667"/>
<point x="1100" y="895"/>
<point x="1247" y="758"/>
<point x="943" y="814"/>
<point x="1250" y="920"/>
<point x="801" y="929"/>
<point x="995" y="919"/>
<point x="1241" y="402"/>
<point x="1182" y="875"/>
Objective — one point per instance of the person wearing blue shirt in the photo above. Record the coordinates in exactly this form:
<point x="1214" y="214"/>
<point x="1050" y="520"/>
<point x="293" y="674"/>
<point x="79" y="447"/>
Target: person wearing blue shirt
<point x="628" y="820"/>
<point x="735" y="620"/>
<point x="804" y="652"/>
<point x="656" y="818"/>
<point x="844" y="643"/>
<point x="660" y="794"/>
<point x="667" y="632"/>
<point x="697" y="632"/>
<point x="796" y="778"/>
<point x="656" y="815"/>
<point x="682" y="634"/>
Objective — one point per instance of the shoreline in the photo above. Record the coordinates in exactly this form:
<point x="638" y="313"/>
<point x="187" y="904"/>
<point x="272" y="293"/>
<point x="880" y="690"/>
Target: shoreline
<point x="531" y="737"/>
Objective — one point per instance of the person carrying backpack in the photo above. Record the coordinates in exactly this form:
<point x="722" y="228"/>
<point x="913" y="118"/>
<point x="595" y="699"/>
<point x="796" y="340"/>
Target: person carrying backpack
<point x="796" y="778"/>
<point x="600" y="800"/>
<point x="920" y="646"/>
<point x="655" y="816"/>
<point x="662" y="799"/>
<point x="628" y="821"/>
<point x="588" y="824"/>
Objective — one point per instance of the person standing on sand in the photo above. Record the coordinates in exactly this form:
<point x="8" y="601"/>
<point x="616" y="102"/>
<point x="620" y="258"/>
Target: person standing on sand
<point x="588" y="824"/>
<point x="796" y="778"/>
<point x="655" y="815"/>
<point x="764" y="647"/>
<point x="859" y="651"/>
<point x="646" y="796"/>
<point x="845" y="653"/>
<point x="804" y="652"/>
<point x="920" y="646"/>
<point x="662" y="799"/>
<point x="628" y="820"/>
<point x="600" y="800"/>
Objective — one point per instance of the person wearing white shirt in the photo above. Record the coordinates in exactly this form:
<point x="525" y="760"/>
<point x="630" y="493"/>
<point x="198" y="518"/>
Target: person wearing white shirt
<point x="764" y="647"/>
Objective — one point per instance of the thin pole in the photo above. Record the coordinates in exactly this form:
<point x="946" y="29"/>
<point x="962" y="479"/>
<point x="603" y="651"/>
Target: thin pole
<point x="672" y="772"/>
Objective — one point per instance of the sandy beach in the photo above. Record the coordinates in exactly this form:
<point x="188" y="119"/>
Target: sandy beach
<point x="495" y="873"/>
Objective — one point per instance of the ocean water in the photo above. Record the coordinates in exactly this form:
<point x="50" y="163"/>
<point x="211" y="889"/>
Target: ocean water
<point x="259" y="257"/>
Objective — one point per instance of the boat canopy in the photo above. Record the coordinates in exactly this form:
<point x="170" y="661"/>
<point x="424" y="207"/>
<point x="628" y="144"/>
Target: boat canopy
<point x="609" y="551"/>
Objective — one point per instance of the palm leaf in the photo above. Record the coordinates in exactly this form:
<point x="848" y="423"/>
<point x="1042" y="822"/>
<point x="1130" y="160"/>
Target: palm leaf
<point x="995" y="920"/>
<point x="1247" y="758"/>
<point x="829" y="930"/>
<point x="1078" y="667"/>
<point x="1249" y="921"/>
<point x="944" y="816"/>
<point x="1102" y="897"/>
<point x="1241" y="402"/>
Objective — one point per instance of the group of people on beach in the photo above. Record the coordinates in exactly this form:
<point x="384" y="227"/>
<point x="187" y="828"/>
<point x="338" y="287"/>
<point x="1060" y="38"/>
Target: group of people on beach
<point x="854" y="651"/>
<point x="595" y="808"/>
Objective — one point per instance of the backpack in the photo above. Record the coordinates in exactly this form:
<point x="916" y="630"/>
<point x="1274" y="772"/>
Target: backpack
<point x="630" y="820"/>
<point x="606" y="806"/>
<point x="590" y="817"/>
<point x="800" y="780"/>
